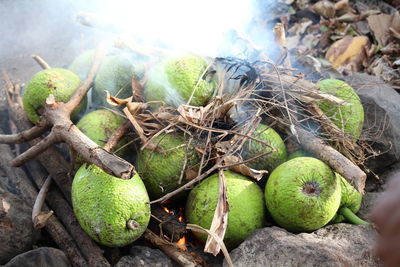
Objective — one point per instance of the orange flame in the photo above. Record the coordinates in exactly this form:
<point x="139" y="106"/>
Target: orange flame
<point x="168" y="210"/>
<point x="182" y="243"/>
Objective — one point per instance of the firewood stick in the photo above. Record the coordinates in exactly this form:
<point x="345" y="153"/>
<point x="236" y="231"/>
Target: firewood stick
<point x="33" y="151"/>
<point x="29" y="194"/>
<point x="38" y="218"/>
<point x="183" y="258"/>
<point x="117" y="135"/>
<point x="41" y="62"/>
<point x="26" y="135"/>
<point x="90" y="250"/>
<point x="333" y="158"/>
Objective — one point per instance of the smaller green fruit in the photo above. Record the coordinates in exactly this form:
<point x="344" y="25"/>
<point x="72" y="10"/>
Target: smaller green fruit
<point x="298" y="153"/>
<point x="81" y="64"/>
<point x="114" y="75"/>
<point x="246" y="207"/>
<point x="99" y="125"/>
<point x="303" y="194"/>
<point x="348" y="118"/>
<point x="161" y="171"/>
<point x="350" y="203"/>
<point x="253" y="148"/>
<point x="174" y="80"/>
<point x="105" y="206"/>
<point x="61" y="83"/>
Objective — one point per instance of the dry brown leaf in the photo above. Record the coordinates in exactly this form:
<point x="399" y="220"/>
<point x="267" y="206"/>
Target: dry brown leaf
<point x="379" y="25"/>
<point x="115" y="101"/>
<point x="220" y="219"/>
<point x="40" y="220"/>
<point x="324" y="8"/>
<point x="243" y="168"/>
<point x="349" y="52"/>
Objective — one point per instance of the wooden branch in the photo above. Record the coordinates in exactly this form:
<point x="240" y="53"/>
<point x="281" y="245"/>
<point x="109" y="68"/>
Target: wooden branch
<point x="183" y="258"/>
<point x="333" y="158"/>
<point x="26" y="135"/>
<point x="167" y="223"/>
<point x="116" y="136"/>
<point x="33" y="151"/>
<point x="39" y="218"/>
<point x="29" y="194"/>
<point x="41" y="62"/>
<point x="90" y="250"/>
<point x="85" y="86"/>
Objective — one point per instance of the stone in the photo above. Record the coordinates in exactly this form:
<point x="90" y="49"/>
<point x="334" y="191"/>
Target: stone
<point x="43" y="257"/>
<point x="382" y="119"/>
<point x="16" y="228"/>
<point x="334" y="245"/>
<point x="370" y="199"/>
<point x="145" y="257"/>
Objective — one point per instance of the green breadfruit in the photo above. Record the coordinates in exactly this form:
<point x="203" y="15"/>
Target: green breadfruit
<point x="303" y="194"/>
<point x="81" y="64"/>
<point x="115" y="76"/>
<point x="348" y="118"/>
<point x="61" y="83"/>
<point x="105" y="205"/>
<point x="246" y="206"/>
<point x="99" y="125"/>
<point x="350" y="203"/>
<point x="253" y="148"/>
<point x="298" y="153"/>
<point x="174" y="80"/>
<point x="161" y="171"/>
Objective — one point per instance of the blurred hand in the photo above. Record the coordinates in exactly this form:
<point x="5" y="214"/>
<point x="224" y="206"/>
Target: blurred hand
<point x="386" y="216"/>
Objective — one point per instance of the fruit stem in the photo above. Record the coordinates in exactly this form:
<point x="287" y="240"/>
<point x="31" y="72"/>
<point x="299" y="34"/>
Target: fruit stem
<point x="351" y="217"/>
<point x="132" y="225"/>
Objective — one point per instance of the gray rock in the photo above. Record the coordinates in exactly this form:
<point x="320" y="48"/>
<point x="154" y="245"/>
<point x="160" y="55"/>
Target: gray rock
<point x="16" y="229"/>
<point x="369" y="201"/>
<point x="382" y="119"/>
<point x="40" y="257"/>
<point x="146" y="257"/>
<point x="334" y="245"/>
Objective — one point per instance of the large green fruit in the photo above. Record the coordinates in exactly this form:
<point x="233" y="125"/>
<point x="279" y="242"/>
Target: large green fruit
<point x="105" y="205"/>
<point x="161" y="171"/>
<point x="246" y="206"/>
<point x="253" y="148"/>
<point x="114" y="75"/>
<point x="81" y="64"/>
<point x="61" y="83"/>
<point x="298" y="153"/>
<point x="303" y="194"/>
<point x="348" y="118"/>
<point x="174" y="80"/>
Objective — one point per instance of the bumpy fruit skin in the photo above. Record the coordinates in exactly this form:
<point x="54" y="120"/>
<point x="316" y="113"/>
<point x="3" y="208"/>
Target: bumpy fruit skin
<point x="161" y="172"/>
<point x="351" y="199"/>
<point x="253" y="148"/>
<point x="246" y="207"/>
<point x="348" y="118"/>
<point x="291" y="202"/>
<point x="61" y="83"/>
<point x="175" y="79"/>
<point x="99" y="125"/>
<point x="103" y="204"/>
<point x="115" y="73"/>
<point x="81" y="64"/>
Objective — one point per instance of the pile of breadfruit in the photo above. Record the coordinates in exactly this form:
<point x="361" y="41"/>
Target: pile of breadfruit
<point x="186" y="137"/>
